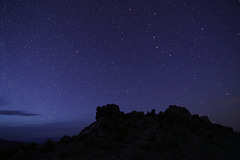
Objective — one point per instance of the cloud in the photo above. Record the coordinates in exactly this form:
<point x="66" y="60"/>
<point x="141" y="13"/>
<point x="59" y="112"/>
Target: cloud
<point x="17" y="113"/>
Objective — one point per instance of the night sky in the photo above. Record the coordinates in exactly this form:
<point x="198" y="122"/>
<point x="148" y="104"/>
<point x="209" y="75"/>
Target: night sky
<point x="61" y="59"/>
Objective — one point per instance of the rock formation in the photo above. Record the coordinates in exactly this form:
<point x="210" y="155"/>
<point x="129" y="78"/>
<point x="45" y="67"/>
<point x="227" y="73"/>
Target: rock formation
<point x="173" y="134"/>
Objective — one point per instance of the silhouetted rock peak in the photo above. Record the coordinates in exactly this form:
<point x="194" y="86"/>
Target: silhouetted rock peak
<point x="173" y="113"/>
<point x="206" y="119"/>
<point x="152" y="113"/>
<point x="177" y="111"/>
<point x="173" y="134"/>
<point x="110" y="111"/>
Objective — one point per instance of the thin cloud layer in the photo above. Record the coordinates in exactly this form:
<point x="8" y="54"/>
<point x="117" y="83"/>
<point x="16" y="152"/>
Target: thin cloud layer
<point x="17" y="113"/>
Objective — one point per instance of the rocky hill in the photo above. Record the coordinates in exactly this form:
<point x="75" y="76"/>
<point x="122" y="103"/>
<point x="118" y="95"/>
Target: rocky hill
<point x="173" y="134"/>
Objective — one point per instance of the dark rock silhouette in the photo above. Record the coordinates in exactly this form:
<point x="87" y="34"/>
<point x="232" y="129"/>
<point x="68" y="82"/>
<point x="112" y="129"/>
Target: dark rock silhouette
<point x="173" y="134"/>
<point x="206" y="119"/>
<point x="177" y="112"/>
<point x="8" y="148"/>
<point x="110" y="111"/>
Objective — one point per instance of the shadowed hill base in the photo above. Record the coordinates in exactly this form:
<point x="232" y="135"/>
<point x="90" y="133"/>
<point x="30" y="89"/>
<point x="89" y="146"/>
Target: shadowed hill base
<point x="8" y="145"/>
<point x="173" y="134"/>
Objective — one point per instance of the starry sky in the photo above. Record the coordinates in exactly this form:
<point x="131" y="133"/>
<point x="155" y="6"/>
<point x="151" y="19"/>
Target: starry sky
<point x="61" y="59"/>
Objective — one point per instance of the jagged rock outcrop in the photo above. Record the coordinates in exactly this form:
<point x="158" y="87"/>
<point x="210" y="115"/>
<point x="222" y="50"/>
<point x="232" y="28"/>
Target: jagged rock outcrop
<point x="206" y="119"/>
<point x="110" y="111"/>
<point x="173" y="134"/>
<point x="177" y="112"/>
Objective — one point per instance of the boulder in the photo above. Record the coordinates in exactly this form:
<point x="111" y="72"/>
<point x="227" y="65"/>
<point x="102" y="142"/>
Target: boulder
<point x="110" y="111"/>
<point x="178" y="112"/>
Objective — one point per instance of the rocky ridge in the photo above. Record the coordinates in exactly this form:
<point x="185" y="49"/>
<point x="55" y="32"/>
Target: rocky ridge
<point x="172" y="134"/>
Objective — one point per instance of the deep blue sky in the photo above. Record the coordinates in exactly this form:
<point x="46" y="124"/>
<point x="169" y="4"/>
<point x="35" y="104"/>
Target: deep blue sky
<point x="61" y="59"/>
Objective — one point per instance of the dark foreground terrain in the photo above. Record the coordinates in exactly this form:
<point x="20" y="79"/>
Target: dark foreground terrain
<point x="173" y="134"/>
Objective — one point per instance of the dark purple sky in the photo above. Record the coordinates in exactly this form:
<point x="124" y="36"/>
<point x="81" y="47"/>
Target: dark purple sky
<point x="61" y="59"/>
